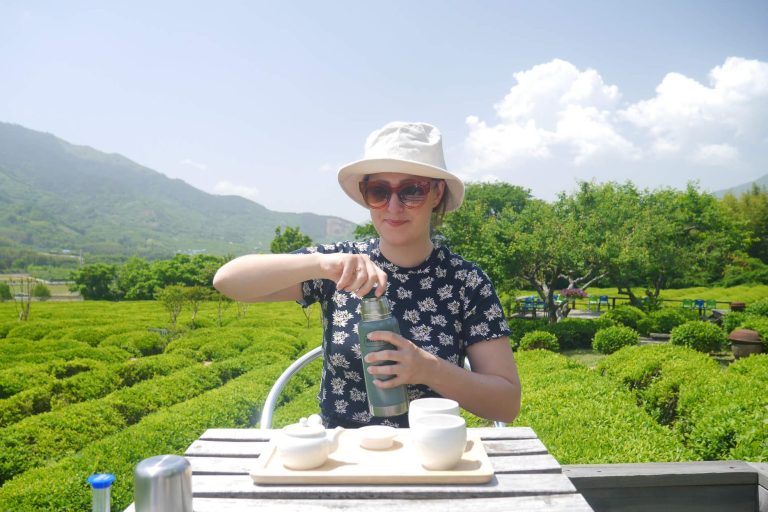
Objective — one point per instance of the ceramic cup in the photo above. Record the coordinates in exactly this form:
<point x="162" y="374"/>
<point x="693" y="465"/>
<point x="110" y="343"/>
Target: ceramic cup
<point x="439" y="440"/>
<point x="423" y="406"/>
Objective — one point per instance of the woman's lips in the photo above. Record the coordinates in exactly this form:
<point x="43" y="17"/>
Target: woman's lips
<point x="395" y="223"/>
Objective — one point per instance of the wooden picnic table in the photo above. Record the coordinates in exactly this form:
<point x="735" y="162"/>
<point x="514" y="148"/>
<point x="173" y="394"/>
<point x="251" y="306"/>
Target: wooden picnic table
<point x="526" y="477"/>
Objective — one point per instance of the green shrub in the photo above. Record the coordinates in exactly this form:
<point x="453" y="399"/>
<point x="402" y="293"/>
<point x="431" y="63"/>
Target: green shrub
<point x="520" y="326"/>
<point x="664" y="320"/>
<point x="611" y="339"/>
<point x="734" y="320"/>
<point x="698" y="335"/>
<point x="24" y="404"/>
<point x="626" y="315"/>
<point x="760" y="325"/>
<point x="21" y="377"/>
<point x="139" y="343"/>
<point x="146" y="368"/>
<point x="5" y="328"/>
<point x="577" y="332"/>
<point x="95" y="383"/>
<point x="41" y="291"/>
<point x="539" y="340"/>
<point x="759" y="307"/>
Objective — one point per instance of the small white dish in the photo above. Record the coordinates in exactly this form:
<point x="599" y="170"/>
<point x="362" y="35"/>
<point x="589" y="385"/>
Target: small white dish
<point x="376" y="437"/>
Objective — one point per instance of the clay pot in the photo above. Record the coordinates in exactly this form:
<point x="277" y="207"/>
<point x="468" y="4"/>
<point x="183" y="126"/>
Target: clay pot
<point x="745" y="342"/>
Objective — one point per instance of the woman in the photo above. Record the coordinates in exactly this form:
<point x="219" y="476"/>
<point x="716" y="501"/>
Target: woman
<point x="446" y="306"/>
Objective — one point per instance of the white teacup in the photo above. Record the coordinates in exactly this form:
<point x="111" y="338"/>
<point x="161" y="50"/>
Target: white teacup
<point x="439" y="440"/>
<point x="424" y="406"/>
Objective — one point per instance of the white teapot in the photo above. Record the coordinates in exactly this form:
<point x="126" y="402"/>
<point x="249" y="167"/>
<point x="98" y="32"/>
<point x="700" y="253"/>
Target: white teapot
<point x="306" y="444"/>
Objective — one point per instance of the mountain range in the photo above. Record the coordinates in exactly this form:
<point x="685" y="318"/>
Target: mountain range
<point x="56" y="196"/>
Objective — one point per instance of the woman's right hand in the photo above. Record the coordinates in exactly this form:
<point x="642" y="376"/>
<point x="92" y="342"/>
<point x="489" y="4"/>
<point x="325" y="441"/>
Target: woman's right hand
<point x="354" y="273"/>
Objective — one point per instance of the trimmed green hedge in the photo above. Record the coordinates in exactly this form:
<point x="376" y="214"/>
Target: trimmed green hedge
<point x="171" y="430"/>
<point x="50" y="436"/>
<point x="698" y="335"/>
<point x="611" y="339"/>
<point x="539" y="340"/>
<point x="719" y="414"/>
<point x="581" y="416"/>
<point x="577" y="332"/>
<point x="626" y="315"/>
<point x="21" y="377"/>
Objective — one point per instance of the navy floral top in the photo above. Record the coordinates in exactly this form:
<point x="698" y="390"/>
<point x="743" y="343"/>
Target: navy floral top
<point x="442" y="305"/>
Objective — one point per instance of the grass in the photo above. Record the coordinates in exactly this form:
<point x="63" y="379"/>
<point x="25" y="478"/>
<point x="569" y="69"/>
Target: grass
<point x="743" y="293"/>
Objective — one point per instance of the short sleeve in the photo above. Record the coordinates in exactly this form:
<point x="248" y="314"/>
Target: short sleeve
<point x="314" y="290"/>
<point x="483" y="315"/>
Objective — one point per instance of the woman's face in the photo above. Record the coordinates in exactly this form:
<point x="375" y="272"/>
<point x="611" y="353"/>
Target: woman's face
<point x="395" y="223"/>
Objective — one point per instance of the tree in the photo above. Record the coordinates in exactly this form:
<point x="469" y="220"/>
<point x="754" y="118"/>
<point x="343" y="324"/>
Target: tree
<point x="41" y="292"/>
<point x="96" y="281"/>
<point x="289" y="240"/>
<point x="136" y="280"/>
<point x="172" y="298"/>
<point x="752" y="208"/>
<point x="194" y="296"/>
<point x="473" y="230"/>
<point x="23" y="299"/>
<point x="5" y="292"/>
<point x="365" y="231"/>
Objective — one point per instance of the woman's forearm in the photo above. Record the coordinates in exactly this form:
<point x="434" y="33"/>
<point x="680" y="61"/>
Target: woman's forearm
<point x="257" y="277"/>
<point x="488" y="396"/>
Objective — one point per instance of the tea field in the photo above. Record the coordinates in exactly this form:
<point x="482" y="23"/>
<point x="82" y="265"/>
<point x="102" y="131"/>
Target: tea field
<point x="98" y="386"/>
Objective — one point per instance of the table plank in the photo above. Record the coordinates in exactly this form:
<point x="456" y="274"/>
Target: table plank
<point x="255" y="434"/>
<point x="242" y="487"/>
<point x="539" y="463"/>
<point x="555" y="503"/>
<point x="205" y="448"/>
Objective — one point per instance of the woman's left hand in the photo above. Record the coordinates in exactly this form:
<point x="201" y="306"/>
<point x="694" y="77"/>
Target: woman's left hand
<point x="413" y="365"/>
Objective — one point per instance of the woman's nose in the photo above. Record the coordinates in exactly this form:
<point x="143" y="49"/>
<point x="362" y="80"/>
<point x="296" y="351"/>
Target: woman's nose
<point x="394" y="204"/>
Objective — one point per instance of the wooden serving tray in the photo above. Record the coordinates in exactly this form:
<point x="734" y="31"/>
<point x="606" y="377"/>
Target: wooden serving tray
<point x="352" y="464"/>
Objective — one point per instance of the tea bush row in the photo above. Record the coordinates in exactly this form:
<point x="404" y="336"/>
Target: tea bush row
<point x="61" y="485"/>
<point x="583" y="417"/>
<point x="14" y="351"/>
<point x="718" y="414"/>
<point x="91" y="379"/>
<point x="49" y="436"/>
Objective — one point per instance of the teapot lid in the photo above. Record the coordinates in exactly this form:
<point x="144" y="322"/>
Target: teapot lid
<point x="306" y="427"/>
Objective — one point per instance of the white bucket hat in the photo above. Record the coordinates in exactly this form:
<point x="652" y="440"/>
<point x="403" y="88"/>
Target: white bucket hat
<point x="408" y="148"/>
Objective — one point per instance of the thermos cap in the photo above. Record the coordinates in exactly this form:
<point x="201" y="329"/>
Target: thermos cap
<point x="101" y="480"/>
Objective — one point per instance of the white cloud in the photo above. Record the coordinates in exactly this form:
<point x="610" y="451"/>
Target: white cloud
<point x="226" y="188"/>
<point x="554" y="111"/>
<point x="558" y="124"/>
<point x="686" y="114"/>
<point x="197" y="165"/>
<point x="715" y="154"/>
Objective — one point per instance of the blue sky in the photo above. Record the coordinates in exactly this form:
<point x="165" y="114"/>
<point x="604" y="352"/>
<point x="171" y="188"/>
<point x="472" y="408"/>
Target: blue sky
<point x="268" y="99"/>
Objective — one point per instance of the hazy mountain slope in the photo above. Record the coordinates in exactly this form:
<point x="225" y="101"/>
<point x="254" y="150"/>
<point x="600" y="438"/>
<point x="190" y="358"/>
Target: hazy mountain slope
<point x="740" y="189"/>
<point x="54" y="195"/>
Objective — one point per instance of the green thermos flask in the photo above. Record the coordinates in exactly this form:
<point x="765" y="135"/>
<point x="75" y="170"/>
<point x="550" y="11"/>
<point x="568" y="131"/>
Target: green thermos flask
<point x="376" y="315"/>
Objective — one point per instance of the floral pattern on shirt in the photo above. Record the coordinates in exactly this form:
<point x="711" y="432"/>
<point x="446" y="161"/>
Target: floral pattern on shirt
<point x="443" y="305"/>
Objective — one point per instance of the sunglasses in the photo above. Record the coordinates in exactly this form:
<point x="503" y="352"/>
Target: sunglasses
<point x="410" y="193"/>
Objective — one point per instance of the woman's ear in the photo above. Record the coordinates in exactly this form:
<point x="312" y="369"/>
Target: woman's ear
<point x="439" y="192"/>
